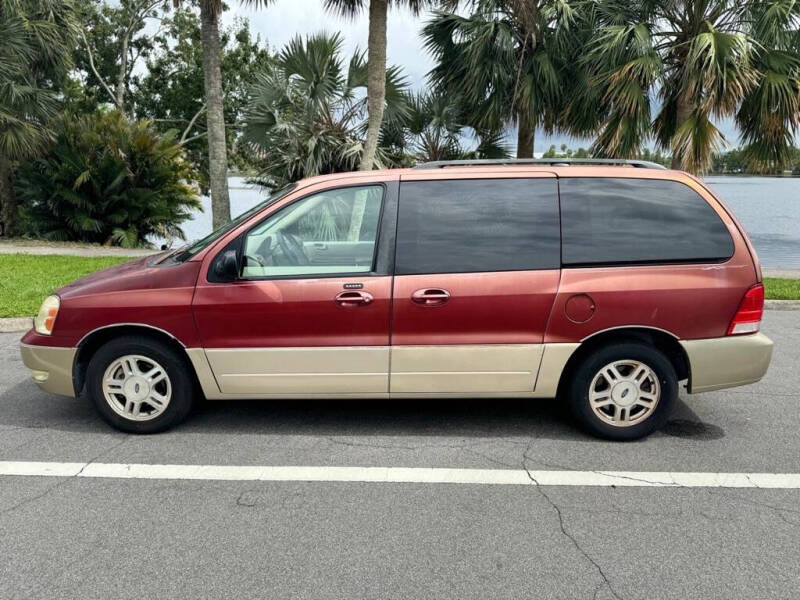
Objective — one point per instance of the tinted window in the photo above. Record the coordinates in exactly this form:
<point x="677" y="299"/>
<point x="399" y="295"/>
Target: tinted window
<point x="477" y="225"/>
<point x="638" y="221"/>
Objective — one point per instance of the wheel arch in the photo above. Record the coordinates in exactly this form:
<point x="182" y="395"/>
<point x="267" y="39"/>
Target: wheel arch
<point x="92" y="341"/>
<point x="661" y="339"/>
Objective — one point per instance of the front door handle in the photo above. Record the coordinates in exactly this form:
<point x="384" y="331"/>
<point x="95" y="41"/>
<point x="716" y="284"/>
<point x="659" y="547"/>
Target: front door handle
<point x="430" y="296"/>
<point x="353" y="299"/>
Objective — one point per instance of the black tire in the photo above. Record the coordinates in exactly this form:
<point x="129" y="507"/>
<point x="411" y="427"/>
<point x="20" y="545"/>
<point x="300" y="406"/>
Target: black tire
<point x="582" y="376"/>
<point x="176" y="367"/>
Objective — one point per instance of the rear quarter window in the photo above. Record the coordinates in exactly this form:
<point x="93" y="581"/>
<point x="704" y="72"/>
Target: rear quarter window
<point x="478" y="225"/>
<point x="617" y="221"/>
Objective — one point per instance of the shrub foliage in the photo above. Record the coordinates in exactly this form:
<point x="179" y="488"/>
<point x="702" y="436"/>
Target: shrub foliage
<point x="107" y="180"/>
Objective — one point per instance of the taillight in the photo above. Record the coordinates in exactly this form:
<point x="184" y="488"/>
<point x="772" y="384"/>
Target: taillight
<point x="748" y="317"/>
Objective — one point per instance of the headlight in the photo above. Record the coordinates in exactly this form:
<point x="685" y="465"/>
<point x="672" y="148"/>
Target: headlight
<point x="46" y="319"/>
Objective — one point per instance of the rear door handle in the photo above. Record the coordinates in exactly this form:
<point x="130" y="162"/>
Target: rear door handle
<point x="430" y="296"/>
<point x="353" y="299"/>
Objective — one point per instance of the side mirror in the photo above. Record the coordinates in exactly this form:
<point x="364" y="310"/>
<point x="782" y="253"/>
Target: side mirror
<point x="226" y="266"/>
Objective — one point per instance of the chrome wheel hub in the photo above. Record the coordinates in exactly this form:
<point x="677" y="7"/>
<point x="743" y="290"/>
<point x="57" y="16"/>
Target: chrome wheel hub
<point x="624" y="393"/>
<point x="137" y="387"/>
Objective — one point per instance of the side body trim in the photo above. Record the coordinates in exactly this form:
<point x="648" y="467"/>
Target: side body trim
<point x="469" y="369"/>
<point x="205" y="376"/>
<point x="334" y="370"/>
<point x="452" y="371"/>
<point x="554" y="359"/>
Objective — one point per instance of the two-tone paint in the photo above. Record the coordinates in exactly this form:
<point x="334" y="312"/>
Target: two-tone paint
<point x="486" y="334"/>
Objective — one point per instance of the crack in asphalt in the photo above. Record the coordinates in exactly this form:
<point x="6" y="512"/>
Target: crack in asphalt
<point x="464" y="447"/>
<point x="779" y="510"/>
<point x="639" y="479"/>
<point x="606" y="582"/>
<point x="64" y="480"/>
<point x="389" y="446"/>
<point x="241" y="502"/>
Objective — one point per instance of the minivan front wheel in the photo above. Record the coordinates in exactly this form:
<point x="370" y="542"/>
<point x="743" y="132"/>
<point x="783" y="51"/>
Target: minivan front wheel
<point x="623" y="391"/>
<point x="139" y="385"/>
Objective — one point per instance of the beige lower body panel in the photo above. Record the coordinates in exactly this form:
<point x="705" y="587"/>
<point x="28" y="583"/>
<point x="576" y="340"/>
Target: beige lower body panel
<point x="720" y="363"/>
<point x="51" y="367"/>
<point x="345" y="370"/>
<point x="554" y="359"/>
<point x="453" y="371"/>
<point x="467" y="369"/>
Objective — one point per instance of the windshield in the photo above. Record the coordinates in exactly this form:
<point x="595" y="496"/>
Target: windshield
<point x="199" y="245"/>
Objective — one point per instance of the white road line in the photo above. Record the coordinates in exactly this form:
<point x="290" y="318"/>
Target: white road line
<point x="786" y="481"/>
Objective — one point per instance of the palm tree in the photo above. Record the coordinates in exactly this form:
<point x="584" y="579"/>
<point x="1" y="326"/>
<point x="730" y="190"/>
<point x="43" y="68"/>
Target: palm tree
<point x="705" y="60"/>
<point x="210" y="11"/>
<point x="769" y="116"/>
<point x="376" y="64"/>
<point x="509" y="61"/>
<point x="306" y="114"/>
<point x="36" y="42"/>
<point x="435" y="129"/>
<point x="215" y="115"/>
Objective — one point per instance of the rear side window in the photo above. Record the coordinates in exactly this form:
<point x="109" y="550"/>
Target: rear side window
<point x="612" y="221"/>
<point x="477" y="225"/>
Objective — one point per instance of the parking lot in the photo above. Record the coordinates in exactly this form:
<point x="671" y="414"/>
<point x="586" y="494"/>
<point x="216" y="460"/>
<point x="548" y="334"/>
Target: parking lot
<point x="404" y="534"/>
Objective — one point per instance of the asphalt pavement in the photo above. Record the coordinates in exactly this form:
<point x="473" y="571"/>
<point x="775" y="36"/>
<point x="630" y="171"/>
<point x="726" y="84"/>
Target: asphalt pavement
<point x="74" y="537"/>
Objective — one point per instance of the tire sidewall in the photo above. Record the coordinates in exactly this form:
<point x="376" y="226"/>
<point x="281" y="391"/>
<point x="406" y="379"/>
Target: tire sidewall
<point x="182" y="389"/>
<point x="584" y="374"/>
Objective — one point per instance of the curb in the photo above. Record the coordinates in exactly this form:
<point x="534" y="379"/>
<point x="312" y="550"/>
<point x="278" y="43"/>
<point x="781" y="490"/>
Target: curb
<point x="782" y="304"/>
<point x="15" y="324"/>
<point x="24" y="323"/>
<point x="781" y="273"/>
<point x="58" y="250"/>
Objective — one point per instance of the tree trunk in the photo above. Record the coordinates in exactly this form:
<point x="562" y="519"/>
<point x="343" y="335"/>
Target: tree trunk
<point x="684" y="111"/>
<point x="123" y="69"/>
<point x="215" y="117"/>
<point x="8" y="200"/>
<point x="525" y="137"/>
<point x="376" y="80"/>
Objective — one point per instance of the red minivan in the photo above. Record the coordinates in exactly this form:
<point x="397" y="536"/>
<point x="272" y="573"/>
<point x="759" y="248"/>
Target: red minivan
<point x="603" y="283"/>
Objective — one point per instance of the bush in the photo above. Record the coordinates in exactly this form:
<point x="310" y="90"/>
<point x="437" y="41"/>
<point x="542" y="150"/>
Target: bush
<point x="107" y="180"/>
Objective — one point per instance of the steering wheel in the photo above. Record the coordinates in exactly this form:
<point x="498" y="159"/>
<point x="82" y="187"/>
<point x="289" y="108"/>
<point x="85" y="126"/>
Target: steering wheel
<point x="255" y="258"/>
<point x="262" y="254"/>
<point x="291" y="248"/>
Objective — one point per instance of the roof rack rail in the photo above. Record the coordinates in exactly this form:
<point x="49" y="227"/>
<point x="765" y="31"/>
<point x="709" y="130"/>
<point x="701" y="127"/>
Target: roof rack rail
<point x="553" y="162"/>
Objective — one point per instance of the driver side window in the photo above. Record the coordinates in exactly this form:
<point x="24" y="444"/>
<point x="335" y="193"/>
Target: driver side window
<point x="327" y="233"/>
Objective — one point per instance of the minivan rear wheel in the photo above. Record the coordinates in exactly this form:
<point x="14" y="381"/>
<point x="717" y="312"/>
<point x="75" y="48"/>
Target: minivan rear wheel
<point x="139" y="385"/>
<point x="623" y="391"/>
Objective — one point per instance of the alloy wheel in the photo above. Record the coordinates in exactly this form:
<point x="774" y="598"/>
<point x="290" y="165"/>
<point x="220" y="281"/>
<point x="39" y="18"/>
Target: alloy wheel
<point x="137" y="387"/>
<point x="624" y="393"/>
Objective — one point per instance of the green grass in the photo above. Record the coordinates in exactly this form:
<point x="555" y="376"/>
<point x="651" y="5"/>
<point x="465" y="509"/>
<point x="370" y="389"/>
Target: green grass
<point x="26" y="279"/>
<point x="782" y="289"/>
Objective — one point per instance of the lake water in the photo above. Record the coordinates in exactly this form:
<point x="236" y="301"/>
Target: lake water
<point x="768" y="207"/>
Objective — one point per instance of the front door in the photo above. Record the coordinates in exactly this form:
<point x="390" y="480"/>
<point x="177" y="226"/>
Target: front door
<point x="477" y="271"/>
<point x="310" y="313"/>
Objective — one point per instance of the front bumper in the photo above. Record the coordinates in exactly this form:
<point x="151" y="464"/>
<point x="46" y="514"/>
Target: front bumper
<point x="51" y="367"/>
<point x="720" y="363"/>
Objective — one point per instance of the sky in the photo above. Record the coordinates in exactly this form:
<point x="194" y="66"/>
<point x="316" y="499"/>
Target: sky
<point x="287" y="18"/>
